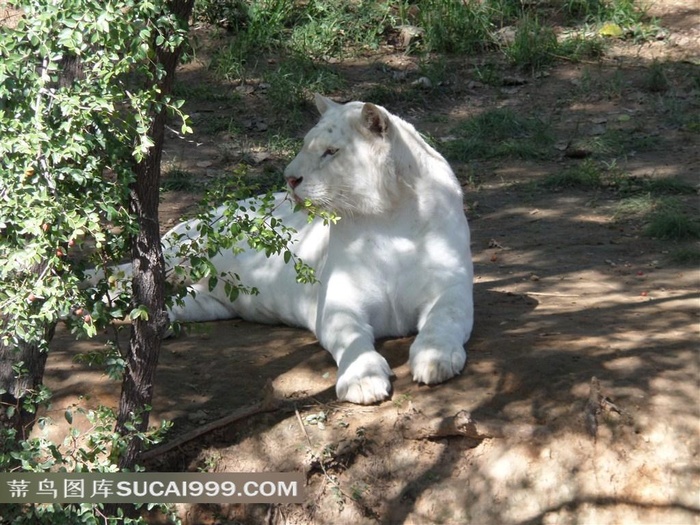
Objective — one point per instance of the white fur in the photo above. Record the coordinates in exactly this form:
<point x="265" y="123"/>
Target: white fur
<point x="398" y="261"/>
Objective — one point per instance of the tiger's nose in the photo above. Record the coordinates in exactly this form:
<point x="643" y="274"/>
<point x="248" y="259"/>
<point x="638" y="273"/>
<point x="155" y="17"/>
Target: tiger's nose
<point x="294" y="181"/>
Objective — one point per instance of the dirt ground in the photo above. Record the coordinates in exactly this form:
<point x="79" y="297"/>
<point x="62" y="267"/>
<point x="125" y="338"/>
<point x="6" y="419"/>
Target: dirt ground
<point x="581" y="386"/>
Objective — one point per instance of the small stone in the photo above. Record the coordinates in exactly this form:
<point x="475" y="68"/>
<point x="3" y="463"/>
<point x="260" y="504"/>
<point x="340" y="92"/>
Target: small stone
<point x="245" y="89"/>
<point x="259" y="157"/>
<point x="423" y="82"/>
<point x="408" y="33"/>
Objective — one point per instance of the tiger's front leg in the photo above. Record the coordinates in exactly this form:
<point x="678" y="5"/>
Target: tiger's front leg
<point x="363" y="374"/>
<point x="438" y="353"/>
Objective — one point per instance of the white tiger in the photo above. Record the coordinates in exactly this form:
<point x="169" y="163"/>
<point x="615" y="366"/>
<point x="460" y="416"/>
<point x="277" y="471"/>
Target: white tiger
<point x="397" y="262"/>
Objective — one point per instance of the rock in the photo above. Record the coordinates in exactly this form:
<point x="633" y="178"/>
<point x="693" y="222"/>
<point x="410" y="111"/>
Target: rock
<point x="513" y="81"/>
<point x="245" y="89"/>
<point x="409" y="33"/>
<point x="506" y="35"/>
<point x="423" y="82"/>
<point x="256" y="124"/>
<point x="258" y="157"/>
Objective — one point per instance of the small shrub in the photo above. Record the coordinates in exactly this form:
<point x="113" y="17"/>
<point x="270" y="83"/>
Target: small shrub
<point x="93" y="450"/>
<point x="266" y="24"/>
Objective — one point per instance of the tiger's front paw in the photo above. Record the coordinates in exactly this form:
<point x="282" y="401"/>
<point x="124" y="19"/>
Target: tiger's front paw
<point x="365" y="380"/>
<point x="431" y="365"/>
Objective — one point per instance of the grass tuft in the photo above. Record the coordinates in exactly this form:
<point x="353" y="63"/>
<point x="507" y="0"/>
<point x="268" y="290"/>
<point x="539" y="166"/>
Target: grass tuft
<point x="330" y="29"/>
<point x="586" y="175"/>
<point x="666" y="185"/>
<point x="669" y="222"/>
<point x="579" y="47"/>
<point x="665" y="217"/>
<point x="656" y="80"/>
<point x="456" y="26"/>
<point x="500" y="133"/>
<point x="292" y="83"/>
<point x="535" y="45"/>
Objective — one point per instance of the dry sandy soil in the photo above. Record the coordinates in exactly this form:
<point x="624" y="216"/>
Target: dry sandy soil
<point x="579" y="401"/>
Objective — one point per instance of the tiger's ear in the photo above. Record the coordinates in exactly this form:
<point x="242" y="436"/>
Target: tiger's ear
<point x="323" y="104"/>
<point x="374" y="119"/>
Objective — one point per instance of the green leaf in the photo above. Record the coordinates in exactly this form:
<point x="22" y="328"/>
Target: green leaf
<point x="232" y="291"/>
<point x="140" y="312"/>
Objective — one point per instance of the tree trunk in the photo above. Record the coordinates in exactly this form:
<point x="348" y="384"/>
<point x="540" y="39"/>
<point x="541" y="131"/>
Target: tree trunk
<point x="17" y="386"/>
<point x="149" y="271"/>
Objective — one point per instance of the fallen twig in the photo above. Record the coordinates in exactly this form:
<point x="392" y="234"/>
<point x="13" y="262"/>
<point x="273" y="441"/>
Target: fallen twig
<point x="598" y="403"/>
<point x="301" y="424"/>
<point x="544" y="294"/>
<point x="269" y="403"/>
<point x="593" y="407"/>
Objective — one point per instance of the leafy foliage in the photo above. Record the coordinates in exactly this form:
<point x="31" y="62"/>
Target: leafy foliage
<point x="68" y="151"/>
<point x="93" y="450"/>
<point x="241" y="221"/>
<point x="78" y="92"/>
